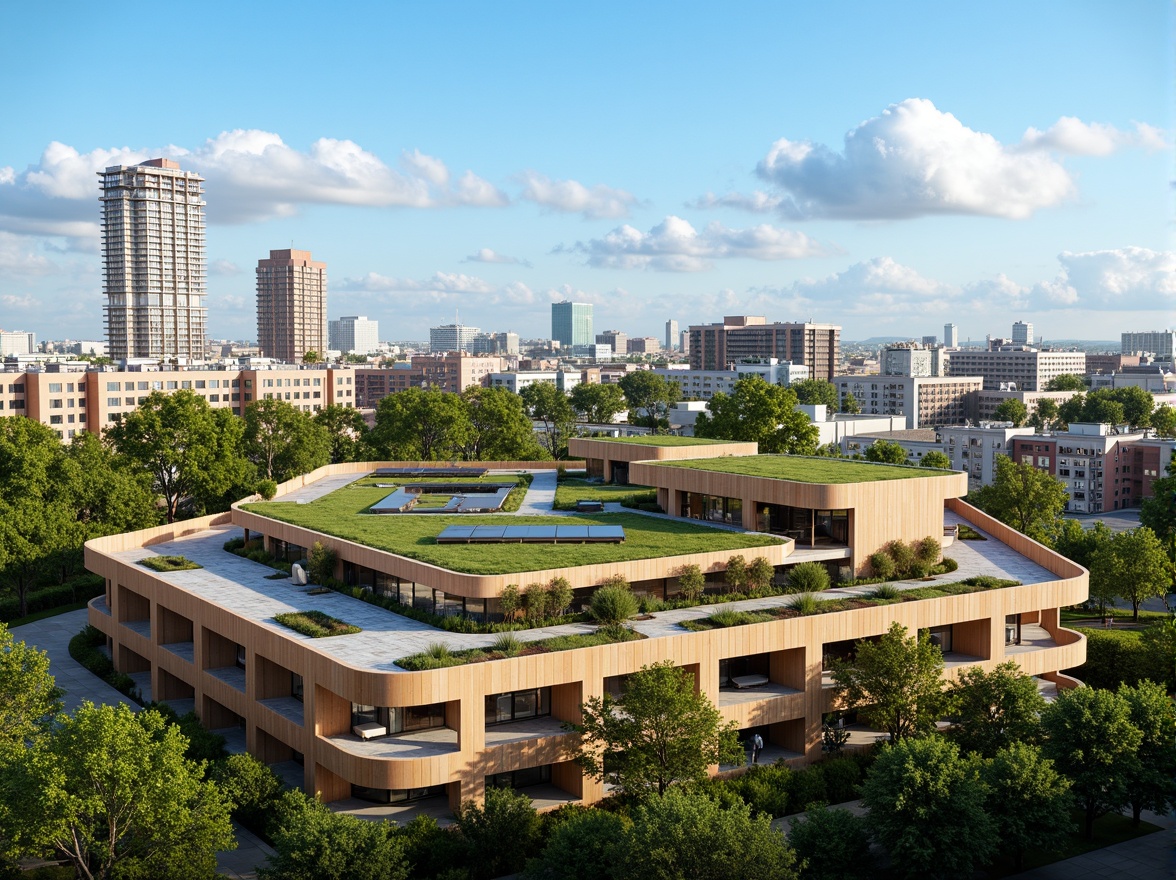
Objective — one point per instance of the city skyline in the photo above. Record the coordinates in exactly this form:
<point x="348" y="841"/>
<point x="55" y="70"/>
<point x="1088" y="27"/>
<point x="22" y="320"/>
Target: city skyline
<point x="851" y="172"/>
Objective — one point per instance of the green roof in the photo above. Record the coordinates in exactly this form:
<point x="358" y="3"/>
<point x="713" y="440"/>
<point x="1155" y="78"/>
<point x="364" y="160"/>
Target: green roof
<point x="802" y="469"/>
<point x="660" y="440"/>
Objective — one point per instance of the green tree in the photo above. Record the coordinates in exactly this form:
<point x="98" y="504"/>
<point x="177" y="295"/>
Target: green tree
<point x="927" y="809"/>
<point x="685" y="836"/>
<point x="1011" y="410"/>
<point x="282" y="441"/>
<point x="421" y="425"/>
<point x="559" y="595"/>
<point x="1073" y="410"/>
<point x="29" y="697"/>
<point x="500" y="427"/>
<point x="311" y="842"/>
<point x="756" y="411"/>
<point x="547" y="404"/>
<point x="760" y="574"/>
<point x="1158" y="513"/>
<point x="832" y="845"/>
<point x="585" y="846"/>
<point x="993" y="710"/>
<point x="500" y="834"/>
<point x="1102" y="407"/>
<point x="312" y="357"/>
<point x="1138" y="404"/>
<point x="1028" y="801"/>
<point x="1078" y="544"/>
<point x="935" y="459"/>
<point x="895" y="683"/>
<point x="692" y="582"/>
<point x="1029" y="500"/>
<point x="38" y="494"/>
<point x="658" y="732"/>
<point x="1045" y="414"/>
<point x="1090" y="738"/>
<point x="849" y="404"/>
<point x="251" y="788"/>
<point x="178" y="440"/>
<point x="1163" y="420"/>
<point x="1153" y="787"/>
<point x="808" y="577"/>
<point x="829" y="450"/>
<point x="735" y="574"/>
<point x="815" y="392"/>
<point x="1066" y="382"/>
<point x="887" y="452"/>
<point x="1132" y="566"/>
<point x="109" y="495"/>
<point x="598" y="402"/>
<point x="650" y="396"/>
<point x="111" y="792"/>
<point x="346" y="431"/>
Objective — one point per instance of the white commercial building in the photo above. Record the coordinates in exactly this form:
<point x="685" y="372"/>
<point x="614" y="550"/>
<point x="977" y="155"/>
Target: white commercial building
<point x="17" y="342"/>
<point x="517" y="380"/>
<point x="1161" y="343"/>
<point x="355" y="334"/>
<point x="451" y="337"/>
<point x="703" y="384"/>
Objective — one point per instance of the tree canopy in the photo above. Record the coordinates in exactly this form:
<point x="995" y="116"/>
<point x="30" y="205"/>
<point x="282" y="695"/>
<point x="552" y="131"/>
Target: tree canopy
<point x="1029" y="500"/>
<point x="894" y="682"/>
<point x="886" y="451"/>
<point x="927" y="809"/>
<point x="111" y="791"/>
<point x="1151" y="710"/>
<point x="1028" y="800"/>
<point x="935" y="459"/>
<point x="1090" y="738"/>
<point x="29" y="697"/>
<point x="656" y="733"/>
<point x="757" y="411"/>
<point x="650" y="397"/>
<point x="1131" y="565"/>
<point x="282" y="441"/>
<point x="1066" y="382"/>
<point x="346" y="430"/>
<point x="500" y="429"/>
<point x="814" y="392"/>
<point x="547" y="404"/>
<point x="421" y="425"/>
<point x="1011" y="410"/>
<point x="993" y="710"/>
<point x="1158" y="512"/>
<point x="598" y="402"/>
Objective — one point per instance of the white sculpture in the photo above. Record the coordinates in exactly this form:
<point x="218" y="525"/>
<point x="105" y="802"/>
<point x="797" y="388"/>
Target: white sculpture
<point x="298" y="575"/>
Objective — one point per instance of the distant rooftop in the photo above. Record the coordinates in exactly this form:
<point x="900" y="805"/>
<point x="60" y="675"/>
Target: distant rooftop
<point x="801" y="469"/>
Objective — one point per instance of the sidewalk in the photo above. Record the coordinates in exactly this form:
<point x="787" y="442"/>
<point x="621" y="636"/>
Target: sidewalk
<point x="1151" y="857"/>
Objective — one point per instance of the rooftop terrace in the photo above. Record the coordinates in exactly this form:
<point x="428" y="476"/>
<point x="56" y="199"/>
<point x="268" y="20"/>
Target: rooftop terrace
<point x="661" y="440"/>
<point x="242" y="587"/>
<point x="802" y="469"/>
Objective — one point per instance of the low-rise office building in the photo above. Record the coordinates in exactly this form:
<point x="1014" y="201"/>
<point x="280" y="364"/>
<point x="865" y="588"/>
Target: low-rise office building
<point x="357" y="727"/>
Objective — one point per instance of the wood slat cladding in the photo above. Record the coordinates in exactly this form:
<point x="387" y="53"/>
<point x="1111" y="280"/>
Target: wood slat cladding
<point x="794" y="647"/>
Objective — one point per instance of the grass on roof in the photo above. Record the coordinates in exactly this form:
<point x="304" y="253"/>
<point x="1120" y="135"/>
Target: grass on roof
<point x="660" y="440"/>
<point x="341" y="513"/>
<point x="802" y="469"/>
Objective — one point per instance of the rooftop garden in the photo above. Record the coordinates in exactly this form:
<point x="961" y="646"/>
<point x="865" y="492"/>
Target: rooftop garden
<point x="438" y="655"/>
<point x="342" y="514"/>
<point x="661" y="440"/>
<point x="803" y="469"/>
<point x="169" y="563"/>
<point x="573" y="489"/>
<point x="315" y="624"/>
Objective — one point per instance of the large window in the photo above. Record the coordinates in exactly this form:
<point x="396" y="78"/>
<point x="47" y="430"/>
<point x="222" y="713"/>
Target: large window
<point x="395" y="795"/>
<point x="520" y="778"/>
<point x="517" y="705"/>
<point x="399" y="719"/>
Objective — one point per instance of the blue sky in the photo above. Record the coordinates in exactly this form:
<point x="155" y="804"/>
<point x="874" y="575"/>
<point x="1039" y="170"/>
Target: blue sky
<point x="885" y="167"/>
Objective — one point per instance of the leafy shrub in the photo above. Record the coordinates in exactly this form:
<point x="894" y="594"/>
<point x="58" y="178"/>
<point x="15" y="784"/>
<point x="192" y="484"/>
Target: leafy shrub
<point x="834" y="845"/>
<point x="882" y="564"/>
<point x="841" y="776"/>
<point x="1115" y="657"/>
<point x="947" y="564"/>
<point x="169" y="563"/>
<point x="967" y="533"/>
<point x="510" y="600"/>
<point x="804" y="603"/>
<point x="321" y="563"/>
<point x="736" y="573"/>
<point x="760" y="574"/>
<point x="267" y="489"/>
<point x="612" y="604"/>
<point x="808" y="577"/>
<point x="807" y="788"/>
<point x="559" y="595"/>
<point x="535" y="602"/>
<point x="250" y="786"/>
<point x="903" y="556"/>
<point x="927" y="550"/>
<point x="886" y="591"/>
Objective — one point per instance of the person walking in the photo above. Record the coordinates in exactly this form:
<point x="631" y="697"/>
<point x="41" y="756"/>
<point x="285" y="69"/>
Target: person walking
<point x="757" y="746"/>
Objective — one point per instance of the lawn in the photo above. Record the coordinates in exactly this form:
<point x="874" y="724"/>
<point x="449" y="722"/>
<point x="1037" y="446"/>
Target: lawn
<point x="570" y="490"/>
<point x="339" y="514"/>
<point x="315" y="624"/>
<point x="801" y="469"/>
<point x="660" y="440"/>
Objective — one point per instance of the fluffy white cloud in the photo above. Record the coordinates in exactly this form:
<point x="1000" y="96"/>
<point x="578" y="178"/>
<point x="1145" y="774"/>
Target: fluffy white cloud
<point x="250" y="175"/>
<point x="571" y="197"/>
<point x="1128" y="279"/>
<point x="1071" y="135"/>
<point x="881" y="287"/>
<point x="757" y="202"/>
<point x="676" y="246"/>
<point x="910" y="161"/>
<point x="487" y="255"/>
<point x="226" y="268"/>
<point x="17" y="257"/>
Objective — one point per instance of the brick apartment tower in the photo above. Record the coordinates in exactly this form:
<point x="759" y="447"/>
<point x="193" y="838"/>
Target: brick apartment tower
<point x="291" y="305"/>
<point x="153" y="261"/>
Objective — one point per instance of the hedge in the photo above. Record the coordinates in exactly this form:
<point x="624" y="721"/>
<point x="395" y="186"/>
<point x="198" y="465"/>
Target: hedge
<point x="84" y="648"/>
<point x="1115" y="657"/>
<point x="83" y="587"/>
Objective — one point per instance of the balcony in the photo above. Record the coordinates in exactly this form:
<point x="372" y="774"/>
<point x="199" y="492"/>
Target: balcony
<point x="399" y="746"/>
<point x="518" y="731"/>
